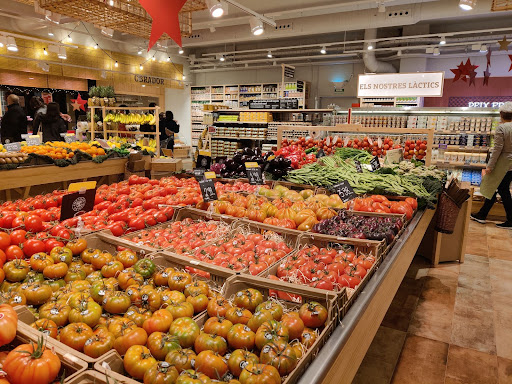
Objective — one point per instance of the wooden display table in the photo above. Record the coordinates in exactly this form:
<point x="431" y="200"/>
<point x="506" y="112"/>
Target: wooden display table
<point x="341" y="356"/>
<point x="22" y="179"/>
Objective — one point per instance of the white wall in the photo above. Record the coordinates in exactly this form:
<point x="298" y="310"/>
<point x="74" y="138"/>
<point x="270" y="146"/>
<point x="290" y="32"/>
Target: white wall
<point x="178" y="101"/>
<point x="320" y="77"/>
<point x="500" y="64"/>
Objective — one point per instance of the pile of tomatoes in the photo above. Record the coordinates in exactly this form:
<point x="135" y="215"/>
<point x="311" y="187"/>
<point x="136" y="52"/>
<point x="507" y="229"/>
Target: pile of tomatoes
<point x="297" y="155"/>
<point x="237" y="186"/>
<point x="238" y="252"/>
<point x="181" y="236"/>
<point x="381" y="204"/>
<point x="248" y="340"/>
<point x="416" y="149"/>
<point x="324" y="268"/>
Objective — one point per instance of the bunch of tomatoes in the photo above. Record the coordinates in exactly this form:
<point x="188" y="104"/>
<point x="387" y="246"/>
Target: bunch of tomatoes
<point x="324" y="268"/>
<point x="381" y="204"/>
<point x="416" y="149"/>
<point x="296" y="154"/>
<point x="237" y="186"/>
<point x="244" y="340"/>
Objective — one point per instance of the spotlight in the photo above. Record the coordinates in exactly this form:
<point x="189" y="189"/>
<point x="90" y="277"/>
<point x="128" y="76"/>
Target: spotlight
<point x="256" y="26"/>
<point x="181" y="51"/>
<point x="370" y="46"/>
<point x="483" y="48"/>
<point x="222" y="58"/>
<point x="69" y="39"/>
<point x="269" y="54"/>
<point x="436" y="52"/>
<point x="216" y="8"/>
<point x="139" y="52"/>
<point x="323" y="51"/>
<point x="184" y="77"/>
<point x="95" y="46"/>
<point x="111" y="2"/>
<point x="45" y="52"/>
<point x="443" y="40"/>
<point x="169" y="58"/>
<point x="116" y="64"/>
<point x="467" y="5"/>
<point x="153" y="58"/>
<point x="11" y="44"/>
<point x="62" y="53"/>
<point x="50" y="32"/>
<point x="141" y="67"/>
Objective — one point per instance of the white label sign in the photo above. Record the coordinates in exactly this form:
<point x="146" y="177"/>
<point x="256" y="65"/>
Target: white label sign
<point x="426" y="84"/>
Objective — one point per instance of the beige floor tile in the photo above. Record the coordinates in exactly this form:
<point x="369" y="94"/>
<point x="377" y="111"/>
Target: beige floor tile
<point x="403" y="305"/>
<point x="470" y="366"/>
<point x="504" y="371"/>
<point x="502" y="317"/>
<point x="374" y="371"/>
<point x="432" y="320"/>
<point x="475" y="273"/>
<point x="423" y="361"/>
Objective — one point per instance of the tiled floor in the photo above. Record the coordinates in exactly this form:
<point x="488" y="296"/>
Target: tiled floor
<point x="451" y="324"/>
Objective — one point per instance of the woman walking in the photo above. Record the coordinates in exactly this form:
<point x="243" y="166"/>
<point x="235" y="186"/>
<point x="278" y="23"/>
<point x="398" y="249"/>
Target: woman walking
<point x="51" y="123"/>
<point x="498" y="173"/>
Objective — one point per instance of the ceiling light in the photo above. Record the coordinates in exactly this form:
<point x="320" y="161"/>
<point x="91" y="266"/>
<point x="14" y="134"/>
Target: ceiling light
<point x="69" y="39"/>
<point x="116" y="64"/>
<point x="370" y="46"/>
<point x="436" y="52"/>
<point x="467" y="5"/>
<point x="141" y="67"/>
<point x="443" y="40"/>
<point x="2" y="41"/>
<point x="143" y="85"/>
<point x="323" y="51"/>
<point x="382" y="8"/>
<point x="153" y="58"/>
<point x="50" y="32"/>
<point x="31" y="78"/>
<point x="139" y="52"/>
<point x="45" y="52"/>
<point x="62" y="53"/>
<point x="184" y="77"/>
<point x="181" y="51"/>
<point x="11" y="44"/>
<point x="169" y="58"/>
<point x="256" y="26"/>
<point x="222" y="58"/>
<point x="95" y="46"/>
<point x="269" y="54"/>
<point x="483" y="48"/>
<point x="216" y="8"/>
<point x="111" y="2"/>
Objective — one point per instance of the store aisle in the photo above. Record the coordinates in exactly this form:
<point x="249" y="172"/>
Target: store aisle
<point x="451" y="324"/>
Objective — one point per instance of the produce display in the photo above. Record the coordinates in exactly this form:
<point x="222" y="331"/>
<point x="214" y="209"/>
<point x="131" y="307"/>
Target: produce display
<point x="8" y="158"/>
<point x="381" y="204"/>
<point x="297" y="155"/>
<point x="48" y="150"/>
<point x="237" y="186"/>
<point x="130" y="118"/>
<point x="92" y="150"/>
<point x="346" y="224"/>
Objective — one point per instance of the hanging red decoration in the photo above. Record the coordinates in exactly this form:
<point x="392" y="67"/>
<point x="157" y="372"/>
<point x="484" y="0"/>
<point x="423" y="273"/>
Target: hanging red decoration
<point x="489" y="54"/>
<point x="78" y="103"/>
<point x="458" y="72"/>
<point x="165" y="19"/>
<point x="510" y="57"/>
<point x="487" y="74"/>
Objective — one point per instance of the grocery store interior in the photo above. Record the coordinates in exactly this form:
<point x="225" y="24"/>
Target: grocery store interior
<point x="246" y="192"/>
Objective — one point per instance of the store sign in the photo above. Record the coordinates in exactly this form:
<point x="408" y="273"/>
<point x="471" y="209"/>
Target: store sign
<point x="149" y="80"/>
<point x="421" y="84"/>
<point x="74" y="204"/>
<point x="493" y="102"/>
<point x="208" y="190"/>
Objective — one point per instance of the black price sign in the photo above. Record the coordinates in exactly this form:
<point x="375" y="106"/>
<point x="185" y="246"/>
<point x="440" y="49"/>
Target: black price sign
<point x="345" y="191"/>
<point x="74" y="204"/>
<point x="375" y="163"/>
<point x="208" y="190"/>
<point x="358" y="166"/>
<point x="199" y="174"/>
<point x="12" y="147"/>
<point x="254" y="174"/>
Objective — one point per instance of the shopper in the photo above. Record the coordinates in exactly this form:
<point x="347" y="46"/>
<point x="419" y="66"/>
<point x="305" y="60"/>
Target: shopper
<point x="14" y="122"/>
<point x="168" y="127"/>
<point x="149" y="128"/>
<point x="498" y="173"/>
<point x="51" y="123"/>
<point x="37" y="105"/>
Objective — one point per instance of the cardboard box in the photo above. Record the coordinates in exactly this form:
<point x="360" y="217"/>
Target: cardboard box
<point x="137" y="166"/>
<point x="181" y="152"/>
<point x="135" y="156"/>
<point x="166" y="165"/>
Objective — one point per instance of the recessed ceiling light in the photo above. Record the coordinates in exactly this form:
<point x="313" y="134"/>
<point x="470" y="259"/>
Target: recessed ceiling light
<point x="323" y="51"/>
<point x="95" y="46"/>
<point x="153" y="58"/>
<point x="143" y="85"/>
<point x="257" y="27"/>
<point x="169" y="58"/>
<point x="370" y="46"/>
<point x="184" y="77"/>
<point x="139" y="52"/>
<point x="443" y="40"/>
<point x="69" y="39"/>
<point x="269" y="54"/>
<point x="467" y="5"/>
<point x="11" y="44"/>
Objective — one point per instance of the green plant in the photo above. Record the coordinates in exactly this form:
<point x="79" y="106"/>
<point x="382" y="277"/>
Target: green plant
<point x="93" y="91"/>
<point x="110" y="92"/>
<point x="103" y="91"/>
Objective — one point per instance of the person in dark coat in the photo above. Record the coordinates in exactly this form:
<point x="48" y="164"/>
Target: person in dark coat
<point x="168" y="127"/>
<point x="14" y="122"/>
<point x="51" y="123"/>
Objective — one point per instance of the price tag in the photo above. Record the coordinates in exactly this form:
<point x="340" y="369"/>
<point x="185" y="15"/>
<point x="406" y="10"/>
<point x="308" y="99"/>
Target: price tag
<point x="33" y="140"/>
<point x="359" y="168"/>
<point x="254" y="174"/>
<point x="375" y="163"/>
<point x="77" y="203"/>
<point x="443" y="146"/>
<point x="199" y="174"/>
<point x="70" y="138"/>
<point x="345" y="191"/>
<point x="208" y="190"/>
<point x="212" y="129"/>
<point x="394" y="156"/>
<point x="12" y="147"/>
<point x="210" y="175"/>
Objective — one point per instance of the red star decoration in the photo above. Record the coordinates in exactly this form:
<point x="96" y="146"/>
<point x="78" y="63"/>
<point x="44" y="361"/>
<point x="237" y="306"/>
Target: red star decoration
<point x="78" y="103"/>
<point x="458" y="72"/>
<point x="165" y="19"/>
<point x="470" y="68"/>
<point x="472" y="78"/>
<point x="510" y="57"/>
<point x="489" y="53"/>
<point x="487" y="74"/>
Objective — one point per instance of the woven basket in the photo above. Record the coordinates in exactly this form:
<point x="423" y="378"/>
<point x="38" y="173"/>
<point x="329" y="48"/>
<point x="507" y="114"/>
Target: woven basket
<point x="447" y="214"/>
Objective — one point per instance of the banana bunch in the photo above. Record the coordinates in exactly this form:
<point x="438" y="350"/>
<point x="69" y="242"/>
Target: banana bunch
<point x="132" y="118"/>
<point x="151" y="143"/>
<point x="2" y="149"/>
